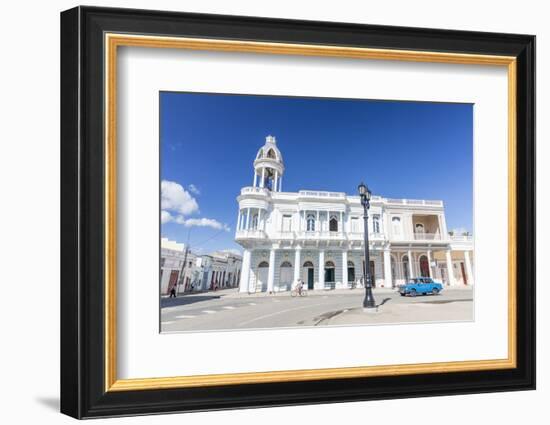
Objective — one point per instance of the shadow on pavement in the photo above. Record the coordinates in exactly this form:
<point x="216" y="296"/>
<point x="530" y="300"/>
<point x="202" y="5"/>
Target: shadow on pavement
<point x="384" y="301"/>
<point x="444" y="301"/>
<point x="186" y="300"/>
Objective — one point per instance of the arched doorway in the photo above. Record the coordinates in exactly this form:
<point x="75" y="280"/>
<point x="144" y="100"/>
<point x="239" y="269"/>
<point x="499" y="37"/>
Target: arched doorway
<point x="285" y="277"/>
<point x="351" y="273"/>
<point x="424" y="266"/>
<point x="372" y="270"/>
<point x="405" y="263"/>
<point x="308" y="274"/>
<point x="393" y="271"/>
<point x="261" y="276"/>
<point x="330" y="275"/>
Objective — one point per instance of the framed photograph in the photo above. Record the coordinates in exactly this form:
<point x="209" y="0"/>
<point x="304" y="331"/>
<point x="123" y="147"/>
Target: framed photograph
<point x="263" y="212"/>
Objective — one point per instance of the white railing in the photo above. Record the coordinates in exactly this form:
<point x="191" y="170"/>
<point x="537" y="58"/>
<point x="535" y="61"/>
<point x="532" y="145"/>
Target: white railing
<point x="250" y="234"/>
<point x="321" y="194"/>
<point x="414" y="202"/>
<point x="285" y="235"/>
<point x="254" y="190"/>
<point x="359" y="236"/>
<point x="426" y="236"/>
<point x="320" y="235"/>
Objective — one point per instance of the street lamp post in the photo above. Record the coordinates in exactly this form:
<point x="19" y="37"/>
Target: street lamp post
<point x="365" y="195"/>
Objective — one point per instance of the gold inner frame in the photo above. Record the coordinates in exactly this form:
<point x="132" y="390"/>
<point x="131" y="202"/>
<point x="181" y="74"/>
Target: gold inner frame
<point x="113" y="41"/>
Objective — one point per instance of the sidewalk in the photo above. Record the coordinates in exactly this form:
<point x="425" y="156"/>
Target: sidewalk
<point x="395" y="313"/>
<point x="310" y="292"/>
<point x="234" y="292"/>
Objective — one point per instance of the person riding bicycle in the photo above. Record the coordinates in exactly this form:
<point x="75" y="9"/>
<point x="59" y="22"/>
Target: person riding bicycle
<point x="299" y="286"/>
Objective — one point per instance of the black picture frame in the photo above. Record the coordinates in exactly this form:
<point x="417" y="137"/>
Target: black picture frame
<point x="83" y="392"/>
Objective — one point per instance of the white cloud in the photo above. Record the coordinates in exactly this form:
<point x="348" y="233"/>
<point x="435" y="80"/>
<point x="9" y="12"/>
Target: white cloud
<point x="194" y="189"/>
<point x="175" y="198"/>
<point x="176" y="203"/>
<point x="206" y="222"/>
<point x="166" y="217"/>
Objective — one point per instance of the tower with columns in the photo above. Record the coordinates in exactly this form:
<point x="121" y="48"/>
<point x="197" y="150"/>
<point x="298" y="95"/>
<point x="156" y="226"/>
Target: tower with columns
<point x="317" y="236"/>
<point x="268" y="166"/>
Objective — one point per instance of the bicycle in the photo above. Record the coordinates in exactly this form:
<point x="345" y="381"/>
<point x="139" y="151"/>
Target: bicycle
<point x="296" y="293"/>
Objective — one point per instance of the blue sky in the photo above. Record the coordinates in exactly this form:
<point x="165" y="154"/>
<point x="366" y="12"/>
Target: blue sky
<point x="414" y="150"/>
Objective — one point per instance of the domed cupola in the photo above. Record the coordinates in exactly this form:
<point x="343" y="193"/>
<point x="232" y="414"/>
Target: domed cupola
<point x="268" y="166"/>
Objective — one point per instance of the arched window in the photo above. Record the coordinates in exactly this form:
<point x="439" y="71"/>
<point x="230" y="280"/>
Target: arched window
<point x="271" y="154"/>
<point x="376" y="224"/>
<point x="308" y="264"/>
<point x="333" y="224"/>
<point x="329" y="264"/>
<point x="263" y="264"/>
<point x="310" y="223"/>
<point x="419" y="228"/>
<point x="396" y="224"/>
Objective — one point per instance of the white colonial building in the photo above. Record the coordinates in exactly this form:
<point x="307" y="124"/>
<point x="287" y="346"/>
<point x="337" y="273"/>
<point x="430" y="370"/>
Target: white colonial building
<point x="318" y="236"/>
<point x="172" y="258"/>
<point x="219" y="269"/>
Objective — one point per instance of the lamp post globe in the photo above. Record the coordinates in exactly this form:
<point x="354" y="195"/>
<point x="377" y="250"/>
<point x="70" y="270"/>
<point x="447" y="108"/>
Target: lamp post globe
<point x="365" y="195"/>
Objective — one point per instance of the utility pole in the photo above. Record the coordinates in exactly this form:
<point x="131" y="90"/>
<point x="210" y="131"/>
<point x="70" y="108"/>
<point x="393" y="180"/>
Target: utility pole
<point x="182" y="271"/>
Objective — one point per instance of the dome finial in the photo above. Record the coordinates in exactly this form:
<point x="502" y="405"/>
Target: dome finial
<point x="271" y="139"/>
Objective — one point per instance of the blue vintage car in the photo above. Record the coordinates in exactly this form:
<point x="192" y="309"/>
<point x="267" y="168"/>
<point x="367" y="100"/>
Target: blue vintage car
<point x="420" y="285"/>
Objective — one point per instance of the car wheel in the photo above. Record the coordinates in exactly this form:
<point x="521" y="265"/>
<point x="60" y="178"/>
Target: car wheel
<point x="435" y="291"/>
<point x="412" y="293"/>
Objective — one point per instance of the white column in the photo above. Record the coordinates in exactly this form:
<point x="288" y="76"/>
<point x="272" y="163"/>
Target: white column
<point x="450" y="270"/>
<point x="318" y="223"/>
<point x="239" y="220"/>
<point x="247" y="218"/>
<point x="321" y="284"/>
<point x="259" y="226"/>
<point x="341" y="222"/>
<point x="387" y="269"/>
<point x="444" y="224"/>
<point x="297" y="265"/>
<point x="271" y="272"/>
<point x="275" y="182"/>
<point x="409" y="254"/>
<point x="245" y="271"/>
<point x="255" y="178"/>
<point x="429" y="252"/>
<point x="344" y="269"/>
<point x="469" y="273"/>
<point x="262" y="183"/>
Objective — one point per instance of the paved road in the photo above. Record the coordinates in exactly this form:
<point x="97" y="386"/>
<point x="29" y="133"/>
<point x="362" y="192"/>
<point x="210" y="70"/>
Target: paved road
<point x="224" y="310"/>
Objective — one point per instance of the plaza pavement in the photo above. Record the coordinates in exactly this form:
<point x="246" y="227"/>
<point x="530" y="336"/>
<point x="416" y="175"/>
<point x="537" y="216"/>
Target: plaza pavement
<point x="230" y="310"/>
